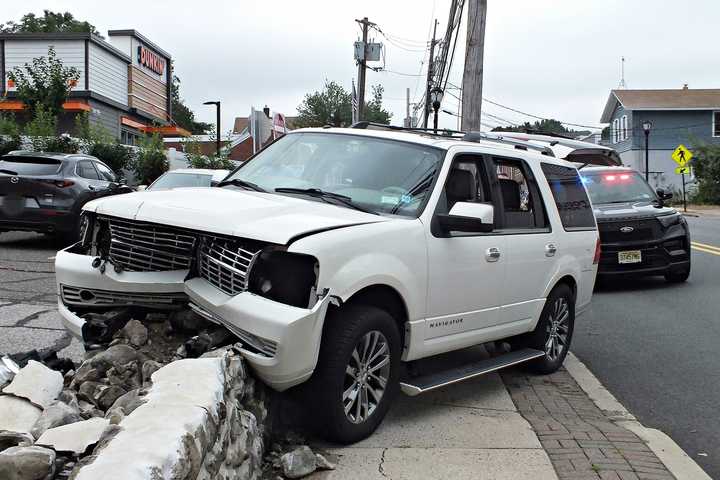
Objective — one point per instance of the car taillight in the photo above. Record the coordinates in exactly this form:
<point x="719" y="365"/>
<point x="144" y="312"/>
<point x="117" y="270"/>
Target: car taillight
<point x="596" y="258"/>
<point x="64" y="183"/>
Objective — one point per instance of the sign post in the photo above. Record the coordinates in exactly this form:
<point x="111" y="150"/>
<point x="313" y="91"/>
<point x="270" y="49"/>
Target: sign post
<point x="682" y="157"/>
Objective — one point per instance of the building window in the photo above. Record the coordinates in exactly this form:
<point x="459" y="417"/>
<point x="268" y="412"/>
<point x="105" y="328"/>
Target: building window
<point x="128" y="138"/>
<point x="616" y="131"/>
<point x="716" y="124"/>
<point x="623" y="128"/>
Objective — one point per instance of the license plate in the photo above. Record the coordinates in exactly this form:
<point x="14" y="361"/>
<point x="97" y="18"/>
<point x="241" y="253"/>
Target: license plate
<point x="630" y="256"/>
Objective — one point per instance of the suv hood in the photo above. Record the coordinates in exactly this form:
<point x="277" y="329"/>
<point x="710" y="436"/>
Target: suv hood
<point x="611" y="211"/>
<point x="260" y="216"/>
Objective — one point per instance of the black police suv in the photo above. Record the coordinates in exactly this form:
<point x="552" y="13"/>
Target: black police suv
<point x="44" y="192"/>
<point x="639" y="234"/>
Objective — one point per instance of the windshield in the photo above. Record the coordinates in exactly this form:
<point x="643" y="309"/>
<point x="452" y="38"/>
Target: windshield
<point x="175" y="180"/>
<point x="617" y="187"/>
<point x="380" y="175"/>
<point x="29" y="166"/>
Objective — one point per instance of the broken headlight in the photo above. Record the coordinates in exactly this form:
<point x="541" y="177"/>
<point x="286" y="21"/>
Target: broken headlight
<point x="285" y="277"/>
<point x="87" y="225"/>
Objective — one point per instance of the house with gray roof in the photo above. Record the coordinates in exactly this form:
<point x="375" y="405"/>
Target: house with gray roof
<point x="678" y="116"/>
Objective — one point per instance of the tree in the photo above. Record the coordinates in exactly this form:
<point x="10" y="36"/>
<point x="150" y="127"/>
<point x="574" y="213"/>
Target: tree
<point x="183" y="116"/>
<point x="706" y="164"/>
<point x="50" y="22"/>
<point x="46" y="82"/>
<point x="332" y="106"/>
<point x="539" y="126"/>
<point x="151" y="161"/>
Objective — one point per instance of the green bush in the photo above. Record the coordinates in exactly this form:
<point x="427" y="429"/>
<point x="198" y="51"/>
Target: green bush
<point x="706" y="164"/>
<point x="61" y="144"/>
<point x="150" y="161"/>
<point x="43" y="124"/>
<point x="196" y="159"/>
<point x="9" y="143"/>
<point x="8" y="126"/>
<point x="91" y="132"/>
<point x="113" y="154"/>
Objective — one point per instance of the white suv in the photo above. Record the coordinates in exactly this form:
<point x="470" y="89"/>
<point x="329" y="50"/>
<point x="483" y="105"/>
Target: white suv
<point x="337" y="255"/>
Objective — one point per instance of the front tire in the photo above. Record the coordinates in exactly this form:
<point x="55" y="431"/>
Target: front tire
<point x="357" y="374"/>
<point x="554" y="330"/>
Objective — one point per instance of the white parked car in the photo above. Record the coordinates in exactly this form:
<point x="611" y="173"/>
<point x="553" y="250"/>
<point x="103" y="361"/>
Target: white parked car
<point x="187" y="177"/>
<point x="338" y="255"/>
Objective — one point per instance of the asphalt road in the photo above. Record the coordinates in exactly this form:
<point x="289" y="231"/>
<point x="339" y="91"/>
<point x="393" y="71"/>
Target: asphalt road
<point x="655" y="346"/>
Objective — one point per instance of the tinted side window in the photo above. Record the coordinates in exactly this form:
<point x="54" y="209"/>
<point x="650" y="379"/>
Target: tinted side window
<point x="522" y="207"/>
<point x="570" y="196"/>
<point x="86" y="170"/>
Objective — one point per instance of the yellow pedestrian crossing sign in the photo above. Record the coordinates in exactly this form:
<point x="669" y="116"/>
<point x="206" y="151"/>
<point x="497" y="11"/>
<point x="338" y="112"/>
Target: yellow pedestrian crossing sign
<point x="682" y="156"/>
<point x="682" y="170"/>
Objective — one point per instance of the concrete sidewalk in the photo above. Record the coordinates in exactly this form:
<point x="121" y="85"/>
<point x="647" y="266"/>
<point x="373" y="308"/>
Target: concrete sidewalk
<point x="520" y="426"/>
<point x="470" y="430"/>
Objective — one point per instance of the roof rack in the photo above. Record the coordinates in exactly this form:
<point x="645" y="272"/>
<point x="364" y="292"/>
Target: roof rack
<point x="475" y="137"/>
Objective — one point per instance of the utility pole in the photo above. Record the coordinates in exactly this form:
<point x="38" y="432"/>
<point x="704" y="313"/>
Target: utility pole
<point x="473" y="72"/>
<point x="430" y="73"/>
<point x="408" y="120"/>
<point x="362" y="64"/>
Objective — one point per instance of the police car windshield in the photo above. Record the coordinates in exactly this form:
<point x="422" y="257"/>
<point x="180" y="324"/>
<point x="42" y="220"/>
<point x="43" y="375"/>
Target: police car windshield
<point x="617" y="187"/>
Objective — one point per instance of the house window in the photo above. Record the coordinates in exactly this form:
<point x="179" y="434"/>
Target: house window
<point x="623" y="128"/>
<point x="716" y="124"/>
<point x="616" y="131"/>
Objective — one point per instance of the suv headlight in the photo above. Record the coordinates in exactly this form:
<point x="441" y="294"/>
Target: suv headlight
<point x="87" y="225"/>
<point x="670" y="220"/>
<point x="285" y="277"/>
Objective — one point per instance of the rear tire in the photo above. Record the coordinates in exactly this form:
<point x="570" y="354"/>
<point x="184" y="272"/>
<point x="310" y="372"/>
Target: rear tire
<point x="357" y="373"/>
<point x="554" y="330"/>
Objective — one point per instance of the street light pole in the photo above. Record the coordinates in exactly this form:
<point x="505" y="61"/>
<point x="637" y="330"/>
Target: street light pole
<point x="217" y="126"/>
<point x="436" y="95"/>
<point x="647" y="125"/>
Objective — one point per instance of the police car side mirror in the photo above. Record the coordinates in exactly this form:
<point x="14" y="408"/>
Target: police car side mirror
<point x="663" y="195"/>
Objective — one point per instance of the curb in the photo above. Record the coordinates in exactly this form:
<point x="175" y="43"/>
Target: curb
<point x="680" y="464"/>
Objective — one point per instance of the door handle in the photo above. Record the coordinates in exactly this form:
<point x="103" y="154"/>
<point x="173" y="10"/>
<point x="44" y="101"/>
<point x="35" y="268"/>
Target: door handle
<point x="492" y="254"/>
<point x="550" y="250"/>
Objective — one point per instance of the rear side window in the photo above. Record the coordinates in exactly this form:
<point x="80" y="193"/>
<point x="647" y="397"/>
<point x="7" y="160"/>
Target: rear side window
<point x="29" y="166"/>
<point x="570" y="197"/>
<point x="86" y="170"/>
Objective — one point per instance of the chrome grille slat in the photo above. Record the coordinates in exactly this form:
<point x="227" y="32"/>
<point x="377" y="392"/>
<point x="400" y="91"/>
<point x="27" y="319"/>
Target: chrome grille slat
<point x="148" y="247"/>
<point x="225" y="263"/>
<point x="72" y="295"/>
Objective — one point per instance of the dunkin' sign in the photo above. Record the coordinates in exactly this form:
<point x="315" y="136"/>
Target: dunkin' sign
<point x="151" y="60"/>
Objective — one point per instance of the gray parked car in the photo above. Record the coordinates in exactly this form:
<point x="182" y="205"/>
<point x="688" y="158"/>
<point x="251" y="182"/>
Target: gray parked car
<point x="44" y="192"/>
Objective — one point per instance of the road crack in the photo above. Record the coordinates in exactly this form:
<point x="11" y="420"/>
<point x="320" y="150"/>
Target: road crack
<point x="381" y="466"/>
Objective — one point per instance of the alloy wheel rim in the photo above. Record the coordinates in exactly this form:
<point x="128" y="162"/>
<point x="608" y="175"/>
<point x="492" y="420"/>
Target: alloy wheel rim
<point x="366" y="376"/>
<point x="558" y="329"/>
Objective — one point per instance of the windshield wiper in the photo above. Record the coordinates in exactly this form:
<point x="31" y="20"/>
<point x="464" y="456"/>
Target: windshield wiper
<point x="9" y="172"/>
<point x="242" y="183"/>
<point x="323" y="195"/>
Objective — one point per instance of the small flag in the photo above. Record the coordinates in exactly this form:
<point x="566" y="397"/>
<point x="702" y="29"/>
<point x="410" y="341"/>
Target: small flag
<point x="355" y="116"/>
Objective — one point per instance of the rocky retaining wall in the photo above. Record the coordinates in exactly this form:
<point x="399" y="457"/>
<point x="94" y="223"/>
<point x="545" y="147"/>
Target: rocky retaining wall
<point x="135" y="409"/>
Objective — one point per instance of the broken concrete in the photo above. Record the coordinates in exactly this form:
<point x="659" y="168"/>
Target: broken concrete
<point x="37" y="383"/>
<point x="74" y="438"/>
<point x="56" y="415"/>
<point x="27" y="463"/>
<point x="14" y="439"/>
<point x="298" y="463"/>
<point x="17" y="414"/>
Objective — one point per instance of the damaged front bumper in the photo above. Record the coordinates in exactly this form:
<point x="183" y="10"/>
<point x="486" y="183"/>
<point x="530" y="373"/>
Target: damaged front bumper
<point x="281" y="342"/>
<point x="82" y="288"/>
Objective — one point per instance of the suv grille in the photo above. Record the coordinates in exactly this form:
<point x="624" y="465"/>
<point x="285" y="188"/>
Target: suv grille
<point x="93" y="297"/>
<point x="610" y="232"/>
<point x="148" y="247"/>
<point x="226" y="263"/>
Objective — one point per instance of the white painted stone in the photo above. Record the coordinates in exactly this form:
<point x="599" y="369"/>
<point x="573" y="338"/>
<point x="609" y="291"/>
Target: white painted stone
<point x="37" y="383"/>
<point x="74" y="437"/>
<point x="17" y="414"/>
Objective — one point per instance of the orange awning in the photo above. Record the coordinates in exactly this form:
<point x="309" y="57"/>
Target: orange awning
<point x="12" y="105"/>
<point x="129" y="122"/>
<point x="76" y="106"/>
<point x="169" y="131"/>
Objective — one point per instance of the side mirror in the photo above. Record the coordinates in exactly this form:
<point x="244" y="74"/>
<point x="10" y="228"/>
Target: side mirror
<point x="467" y="217"/>
<point x="112" y="186"/>
<point x="140" y="188"/>
<point x="663" y="194"/>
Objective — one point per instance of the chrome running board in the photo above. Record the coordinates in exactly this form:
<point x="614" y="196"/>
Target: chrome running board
<point x="426" y="383"/>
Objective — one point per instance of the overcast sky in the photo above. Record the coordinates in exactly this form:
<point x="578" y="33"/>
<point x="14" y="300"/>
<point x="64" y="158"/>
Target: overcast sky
<point x="552" y="58"/>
